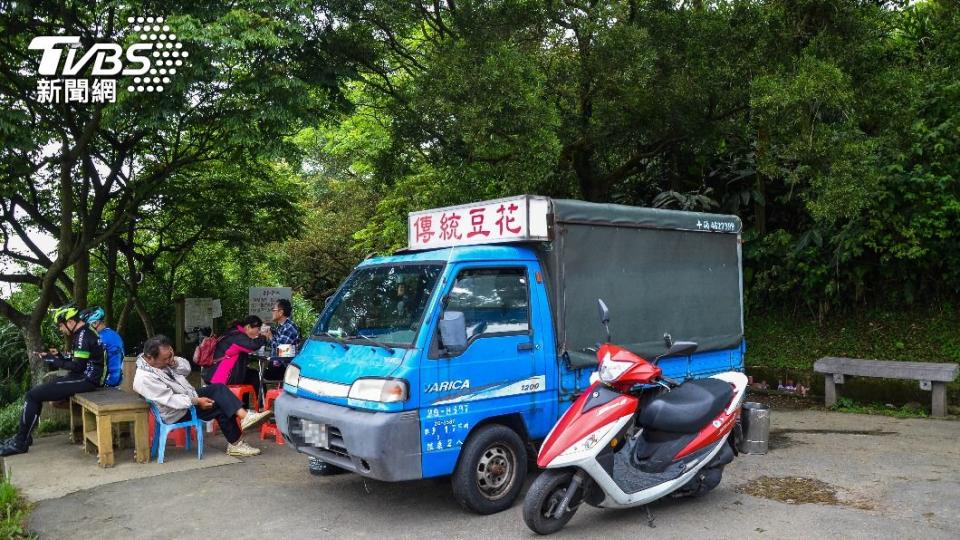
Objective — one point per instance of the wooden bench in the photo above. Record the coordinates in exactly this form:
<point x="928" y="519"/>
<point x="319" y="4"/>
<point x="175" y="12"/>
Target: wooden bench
<point x="92" y="415"/>
<point x="933" y="376"/>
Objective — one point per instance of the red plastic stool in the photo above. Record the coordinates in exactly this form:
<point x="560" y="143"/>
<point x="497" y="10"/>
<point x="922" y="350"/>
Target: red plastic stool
<point x="241" y="390"/>
<point x="269" y="428"/>
<point x="270" y="397"/>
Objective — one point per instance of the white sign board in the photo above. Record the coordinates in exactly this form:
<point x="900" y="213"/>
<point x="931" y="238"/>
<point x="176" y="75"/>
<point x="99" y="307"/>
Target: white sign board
<point x="198" y="313"/>
<point x="514" y="219"/>
<point x="262" y="300"/>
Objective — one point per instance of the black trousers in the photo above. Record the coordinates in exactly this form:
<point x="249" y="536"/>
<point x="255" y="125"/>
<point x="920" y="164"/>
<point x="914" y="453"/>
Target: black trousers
<point x="56" y="390"/>
<point x="224" y="411"/>
<point x="239" y="376"/>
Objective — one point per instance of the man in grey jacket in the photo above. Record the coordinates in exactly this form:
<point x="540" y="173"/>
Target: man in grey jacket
<point x="161" y="378"/>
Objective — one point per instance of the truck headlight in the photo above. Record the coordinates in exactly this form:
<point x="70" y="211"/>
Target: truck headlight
<point x="382" y="390"/>
<point x="292" y="376"/>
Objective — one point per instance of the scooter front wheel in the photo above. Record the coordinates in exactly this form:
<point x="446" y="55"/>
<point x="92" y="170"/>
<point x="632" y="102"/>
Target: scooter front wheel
<point x="545" y="495"/>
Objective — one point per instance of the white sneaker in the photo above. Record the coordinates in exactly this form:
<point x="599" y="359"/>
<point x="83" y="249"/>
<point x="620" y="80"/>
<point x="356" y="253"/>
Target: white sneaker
<point x="242" y="449"/>
<point x="253" y="418"/>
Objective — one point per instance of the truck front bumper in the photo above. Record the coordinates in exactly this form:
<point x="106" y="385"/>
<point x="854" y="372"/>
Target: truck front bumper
<point x="384" y="446"/>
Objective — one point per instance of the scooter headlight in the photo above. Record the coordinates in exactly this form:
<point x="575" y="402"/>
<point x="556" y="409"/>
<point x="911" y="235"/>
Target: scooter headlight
<point x="587" y="443"/>
<point x="611" y="370"/>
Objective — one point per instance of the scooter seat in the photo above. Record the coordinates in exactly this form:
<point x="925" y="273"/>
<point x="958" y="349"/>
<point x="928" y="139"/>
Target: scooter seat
<point x="688" y="407"/>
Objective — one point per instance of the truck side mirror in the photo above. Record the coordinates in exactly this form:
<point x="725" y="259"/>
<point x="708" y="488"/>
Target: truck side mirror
<point x="453" y="331"/>
<point x="604" y="316"/>
<point x="327" y="300"/>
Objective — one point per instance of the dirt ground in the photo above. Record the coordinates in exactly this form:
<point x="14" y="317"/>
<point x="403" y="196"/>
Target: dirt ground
<point x="827" y="475"/>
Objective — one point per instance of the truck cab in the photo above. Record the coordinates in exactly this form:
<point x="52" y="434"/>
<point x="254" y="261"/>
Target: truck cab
<point x="453" y="361"/>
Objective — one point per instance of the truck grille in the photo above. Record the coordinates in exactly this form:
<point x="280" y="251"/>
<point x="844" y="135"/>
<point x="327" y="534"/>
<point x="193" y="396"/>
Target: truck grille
<point x="337" y="446"/>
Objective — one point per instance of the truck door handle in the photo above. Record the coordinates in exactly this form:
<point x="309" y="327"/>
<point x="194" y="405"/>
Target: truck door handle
<point x="528" y="346"/>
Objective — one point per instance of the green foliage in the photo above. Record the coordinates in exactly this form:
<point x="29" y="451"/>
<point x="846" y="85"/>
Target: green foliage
<point x="784" y="339"/>
<point x="827" y="125"/>
<point x="14" y="375"/>
<point x="10" y="418"/>
<point x="850" y="406"/>
<point x="13" y="512"/>
<point x="831" y="127"/>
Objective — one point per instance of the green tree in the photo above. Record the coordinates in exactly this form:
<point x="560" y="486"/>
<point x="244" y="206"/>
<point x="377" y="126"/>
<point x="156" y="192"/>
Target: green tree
<point x="82" y="173"/>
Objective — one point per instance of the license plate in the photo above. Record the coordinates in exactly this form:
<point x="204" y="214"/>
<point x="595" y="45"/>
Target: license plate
<point x="315" y="434"/>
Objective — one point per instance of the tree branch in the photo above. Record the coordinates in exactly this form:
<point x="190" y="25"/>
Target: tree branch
<point x="12" y="314"/>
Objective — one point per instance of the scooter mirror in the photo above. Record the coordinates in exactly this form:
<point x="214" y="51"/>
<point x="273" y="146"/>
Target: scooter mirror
<point x="604" y="317"/>
<point x="604" y="311"/>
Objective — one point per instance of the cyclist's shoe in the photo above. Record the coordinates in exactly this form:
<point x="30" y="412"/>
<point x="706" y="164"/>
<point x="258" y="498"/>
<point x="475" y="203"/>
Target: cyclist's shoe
<point x="13" y="446"/>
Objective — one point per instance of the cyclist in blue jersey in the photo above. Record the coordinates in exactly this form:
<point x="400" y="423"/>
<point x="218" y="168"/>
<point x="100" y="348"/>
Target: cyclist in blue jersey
<point x="112" y="344"/>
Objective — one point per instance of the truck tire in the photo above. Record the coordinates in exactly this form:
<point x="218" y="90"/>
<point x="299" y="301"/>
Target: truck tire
<point x="491" y="470"/>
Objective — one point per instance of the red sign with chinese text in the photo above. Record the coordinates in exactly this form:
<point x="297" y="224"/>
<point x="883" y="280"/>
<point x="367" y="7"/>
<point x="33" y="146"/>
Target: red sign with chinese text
<point x="502" y="220"/>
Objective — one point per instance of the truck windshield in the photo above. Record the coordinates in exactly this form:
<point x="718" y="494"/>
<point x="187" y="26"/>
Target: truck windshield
<point x="385" y="303"/>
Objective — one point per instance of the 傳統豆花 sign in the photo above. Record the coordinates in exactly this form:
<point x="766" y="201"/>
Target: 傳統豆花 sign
<point x="262" y="300"/>
<point x="514" y="219"/>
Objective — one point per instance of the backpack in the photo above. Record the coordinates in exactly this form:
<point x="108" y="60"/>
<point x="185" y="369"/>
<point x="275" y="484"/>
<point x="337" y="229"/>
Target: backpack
<point x="203" y="355"/>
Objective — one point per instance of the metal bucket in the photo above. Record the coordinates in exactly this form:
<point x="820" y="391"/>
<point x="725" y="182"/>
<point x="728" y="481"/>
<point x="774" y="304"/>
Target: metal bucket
<point x="755" y="419"/>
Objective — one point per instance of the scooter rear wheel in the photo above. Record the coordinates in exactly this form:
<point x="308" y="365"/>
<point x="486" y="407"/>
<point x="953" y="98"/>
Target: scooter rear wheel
<point x="545" y="494"/>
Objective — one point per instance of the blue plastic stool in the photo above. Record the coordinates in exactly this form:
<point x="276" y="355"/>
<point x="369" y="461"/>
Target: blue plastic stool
<point x="162" y="430"/>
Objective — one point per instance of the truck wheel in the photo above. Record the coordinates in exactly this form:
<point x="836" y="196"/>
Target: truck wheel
<point x="491" y="470"/>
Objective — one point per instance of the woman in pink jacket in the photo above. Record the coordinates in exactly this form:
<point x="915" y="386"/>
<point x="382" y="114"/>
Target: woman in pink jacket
<point x="230" y="356"/>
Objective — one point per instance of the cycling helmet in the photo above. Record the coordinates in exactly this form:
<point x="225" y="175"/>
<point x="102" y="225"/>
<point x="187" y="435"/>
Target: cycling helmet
<point x="65" y="313"/>
<point x="92" y="314"/>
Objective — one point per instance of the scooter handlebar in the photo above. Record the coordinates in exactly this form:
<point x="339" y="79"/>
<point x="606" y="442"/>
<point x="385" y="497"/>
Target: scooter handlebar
<point x="668" y="380"/>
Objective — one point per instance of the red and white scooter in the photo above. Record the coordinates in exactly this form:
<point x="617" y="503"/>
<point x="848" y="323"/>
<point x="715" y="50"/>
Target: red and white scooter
<point x="635" y="436"/>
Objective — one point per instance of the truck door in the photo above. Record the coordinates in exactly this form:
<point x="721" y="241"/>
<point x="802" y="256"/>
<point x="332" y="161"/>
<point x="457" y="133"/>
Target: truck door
<point x="502" y="370"/>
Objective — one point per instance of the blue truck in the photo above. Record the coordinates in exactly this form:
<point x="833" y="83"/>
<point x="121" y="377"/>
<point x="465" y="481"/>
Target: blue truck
<point x="454" y="357"/>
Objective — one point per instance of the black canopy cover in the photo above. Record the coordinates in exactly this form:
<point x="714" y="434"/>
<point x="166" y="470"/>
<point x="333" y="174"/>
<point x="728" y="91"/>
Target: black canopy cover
<point x="659" y="271"/>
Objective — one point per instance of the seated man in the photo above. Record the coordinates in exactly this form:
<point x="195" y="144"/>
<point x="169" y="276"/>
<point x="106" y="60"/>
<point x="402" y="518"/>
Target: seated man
<point x="161" y="378"/>
<point x="284" y="333"/>
<point x="85" y="369"/>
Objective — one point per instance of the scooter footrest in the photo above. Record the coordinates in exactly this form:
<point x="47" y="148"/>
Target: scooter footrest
<point x="632" y="480"/>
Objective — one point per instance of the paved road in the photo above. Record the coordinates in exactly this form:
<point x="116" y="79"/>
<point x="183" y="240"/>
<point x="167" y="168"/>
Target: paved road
<point x="898" y="480"/>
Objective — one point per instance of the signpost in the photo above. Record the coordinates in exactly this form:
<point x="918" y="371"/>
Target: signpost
<point x="262" y="299"/>
<point x="514" y="219"/>
<point x="198" y="313"/>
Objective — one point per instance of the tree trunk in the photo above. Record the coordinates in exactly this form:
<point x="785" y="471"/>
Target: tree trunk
<point x="133" y="282"/>
<point x="81" y="280"/>
<point x="124" y="314"/>
<point x="144" y="317"/>
<point x="34" y="342"/>
<point x="111" y="253"/>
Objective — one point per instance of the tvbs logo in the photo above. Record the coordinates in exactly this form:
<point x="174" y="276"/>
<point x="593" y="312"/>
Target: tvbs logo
<point x="151" y="61"/>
